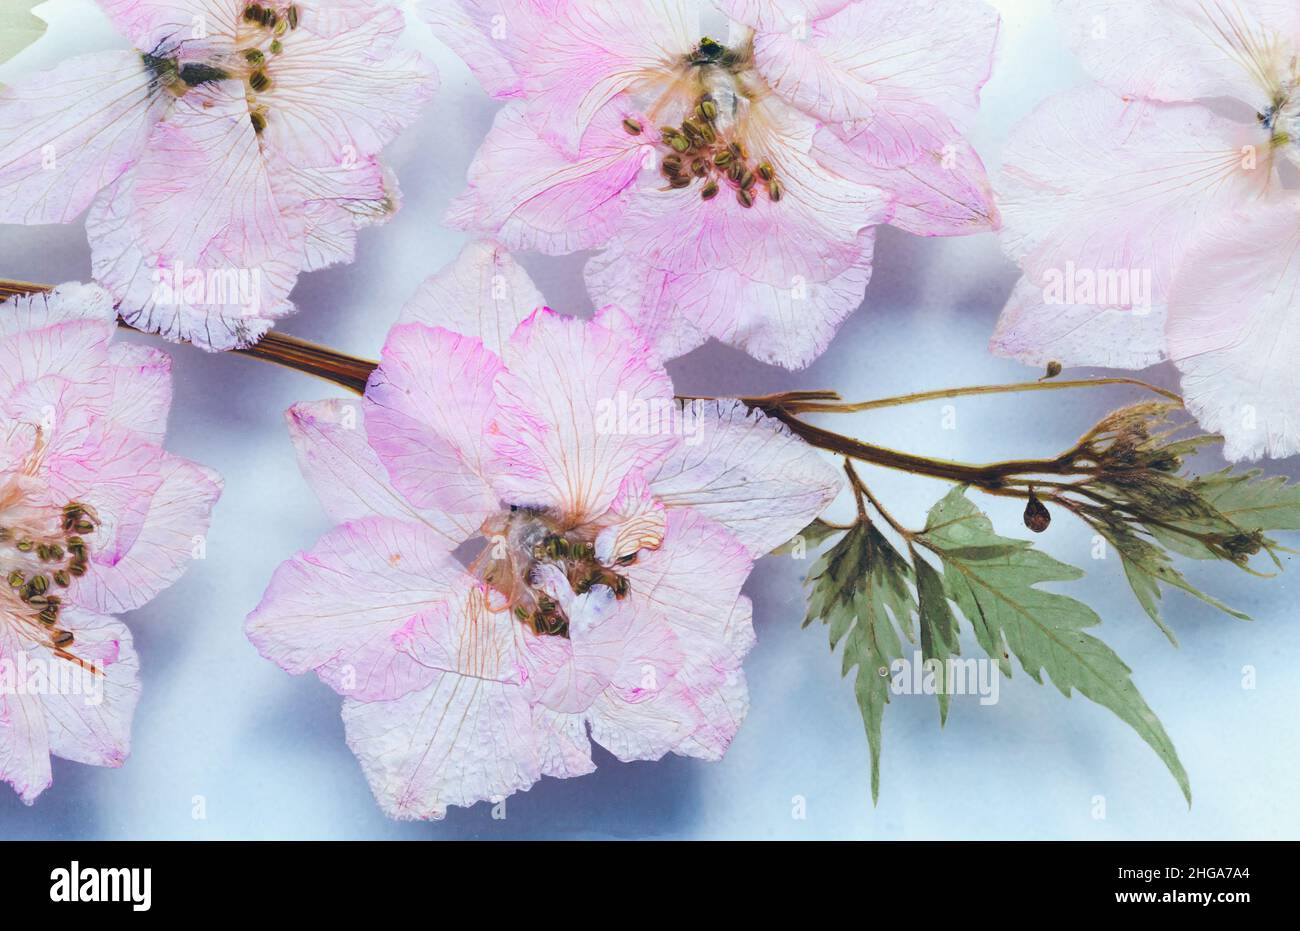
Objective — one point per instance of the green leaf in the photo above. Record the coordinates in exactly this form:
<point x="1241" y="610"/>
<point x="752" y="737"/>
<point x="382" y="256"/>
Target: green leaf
<point x="1251" y="502"/>
<point x="1147" y="566"/>
<point x="811" y="536"/>
<point x="860" y="591"/>
<point x="19" y="27"/>
<point x="939" y="632"/>
<point x="993" y="581"/>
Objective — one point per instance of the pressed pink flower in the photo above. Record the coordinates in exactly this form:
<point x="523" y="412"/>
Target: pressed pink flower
<point x="613" y="529"/>
<point x="733" y="187"/>
<point x="235" y="147"/>
<point x="1149" y="215"/>
<point x="95" y="519"/>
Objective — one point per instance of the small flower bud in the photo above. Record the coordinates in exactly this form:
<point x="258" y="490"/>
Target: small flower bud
<point x="1037" y="517"/>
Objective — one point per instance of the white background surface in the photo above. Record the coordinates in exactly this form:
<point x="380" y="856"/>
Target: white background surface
<point x="266" y="751"/>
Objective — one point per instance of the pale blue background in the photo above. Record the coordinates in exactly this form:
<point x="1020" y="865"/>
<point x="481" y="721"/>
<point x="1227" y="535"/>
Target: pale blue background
<point x="267" y="752"/>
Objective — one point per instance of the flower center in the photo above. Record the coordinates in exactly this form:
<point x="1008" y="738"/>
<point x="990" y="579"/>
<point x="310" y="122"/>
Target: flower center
<point x="523" y="540"/>
<point x="42" y="549"/>
<point x="708" y="147"/>
<point x="258" y="40"/>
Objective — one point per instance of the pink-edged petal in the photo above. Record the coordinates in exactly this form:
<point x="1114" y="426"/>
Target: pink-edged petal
<point x="343" y="469"/>
<point x="646" y="711"/>
<point x="430" y="407"/>
<point x="115" y="471"/>
<point x="67" y="133"/>
<point x="566" y="674"/>
<point x="337" y="607"/>
<point x="481" y="33"/>
<point x="1234" y="331"/>
<point x="62" y="336"/>
<point x="24" y="738"/>
<point x="458" y="741"/>
<point x="1037" y="329"/>
<point x="471" y="633"/>
<point x="170" y="295"/>
<point x="635" y="521"/>
<point x="662" y="302"/>
<point x="692" y="583"/>
<point x="142" y="388"/>
<point x="189" y="26"/>
<point x="1173" y="50"/>
<point x="67" y="303"/>
<point x="896" y="64"/>
<point x="340" y="90"/>
<point x="334" y="202"/>
<point x="944" y="191"/>
<point x="169" y="538"/>
<point x="193" y="242"/>
<point x="747" y="472"/>
<point x="788" y="325"/>
<point x="569" y="399"/>
<point x="483" y="294"/>
<point x="781" y="15"/>
<point x="692" y="586"/>
<point x="531" y="196"/>
<point x="582" y="54"/>
<point x="90" y="720"/>
<point x="563" y="743"/>
<point x="1096" y="185"/>
<point x="645" y="730"/>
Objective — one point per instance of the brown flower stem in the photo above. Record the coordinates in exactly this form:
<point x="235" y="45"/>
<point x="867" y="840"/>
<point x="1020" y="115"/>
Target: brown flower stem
<point x="861" y="491"/>
<point x="990" y="476"/>
<point x="290" y="352"/>
<point x="352" y="373"/>
<point x="279" y="348"/>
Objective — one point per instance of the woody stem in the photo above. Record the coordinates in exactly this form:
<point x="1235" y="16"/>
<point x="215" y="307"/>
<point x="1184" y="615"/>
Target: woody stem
<point x="352" y="373"/>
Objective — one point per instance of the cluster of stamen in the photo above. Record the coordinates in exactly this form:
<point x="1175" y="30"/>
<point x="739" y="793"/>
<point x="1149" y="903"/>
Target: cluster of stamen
<point x="266" y="27"/>
<point x="698" y="154"/>
<point x="705" y="151"/>
<point x="37" y="566"/>
<point x="533" y="544"/>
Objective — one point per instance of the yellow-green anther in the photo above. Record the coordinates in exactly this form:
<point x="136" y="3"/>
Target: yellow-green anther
<point x="710" y="191"/>
<point x="722" y="159"/>
<point x="709" y="110"/>
<point x="633" y="127"/>
<point x="746" y="197"/>
<point x="766" y="171"/>
<point x="775" y="191"/>
<point x="254" y="56"/>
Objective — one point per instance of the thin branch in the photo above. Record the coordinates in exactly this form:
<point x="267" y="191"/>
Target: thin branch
<point x="813" y="405"/>
<point x="860" y="491"/>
